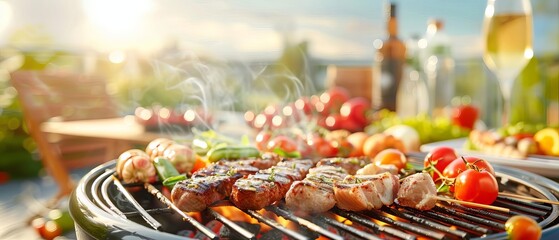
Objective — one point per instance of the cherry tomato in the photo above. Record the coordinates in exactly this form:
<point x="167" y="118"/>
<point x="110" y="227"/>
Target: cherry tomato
<point x="457" y="166"/>
<point x="465" y="116"/>
<point x="391" y="156"/>
<point x="334" y="122"/>
<point x="322" y="147"/>
<point x="48" y="229"/>
<point x="198" y="164"/>
<point x="303" y="104"/>
<point x="520" y="227"/>
<point x="282" y="142"/>
<point x="476" y="186"/>
<point x="357" y="109"/>
<point x="4" y="177"/>
<point x="350" y="125"/>
<point x="262" y="138"/>
<point x="439" y="157"/>
<point x="333" y="100"/>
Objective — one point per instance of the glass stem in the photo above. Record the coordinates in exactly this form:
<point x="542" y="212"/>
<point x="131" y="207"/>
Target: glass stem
<point x="506" y="90"/>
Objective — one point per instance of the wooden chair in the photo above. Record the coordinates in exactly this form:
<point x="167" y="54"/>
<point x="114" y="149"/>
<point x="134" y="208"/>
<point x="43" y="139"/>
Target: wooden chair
<point x="358" y="80"/>
<point x="63" y="96"/>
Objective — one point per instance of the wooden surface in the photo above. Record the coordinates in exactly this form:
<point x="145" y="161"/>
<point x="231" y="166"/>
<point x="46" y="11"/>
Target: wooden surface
<point x="123" y="129"/>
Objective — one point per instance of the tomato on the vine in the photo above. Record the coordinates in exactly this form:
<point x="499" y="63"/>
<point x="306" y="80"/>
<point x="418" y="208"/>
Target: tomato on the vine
<point x="521" y="227"/>
<point x="457" y="166"/>
<point x="476" y="186"/>
<point x="439" y="158"/>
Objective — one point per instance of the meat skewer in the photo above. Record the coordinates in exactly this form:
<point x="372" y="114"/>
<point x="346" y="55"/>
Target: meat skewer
<point x="315" y="193"/>
<point x="528" y="198"/>
<point x="366" y="192"/>
<point x="268" y="186"/>
<point x="215" y="182"/>
<point x="419" y="191"/>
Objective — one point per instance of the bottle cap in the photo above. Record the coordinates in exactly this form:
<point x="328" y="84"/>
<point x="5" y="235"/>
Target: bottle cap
<point x="392" y="10"/>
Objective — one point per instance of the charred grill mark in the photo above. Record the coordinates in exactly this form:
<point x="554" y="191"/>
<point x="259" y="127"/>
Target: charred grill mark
<point x="215" y="182"/>
<point x="268" y="186"/>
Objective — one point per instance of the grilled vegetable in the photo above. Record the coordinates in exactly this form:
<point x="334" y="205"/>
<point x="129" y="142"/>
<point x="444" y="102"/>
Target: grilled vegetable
<point x="165" y="168"/>
<point x="232" y="152"/>
<point x="171" y="181"/>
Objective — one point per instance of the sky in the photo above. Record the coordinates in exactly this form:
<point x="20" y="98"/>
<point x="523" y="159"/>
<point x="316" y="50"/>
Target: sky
<point x="248" y="28"/>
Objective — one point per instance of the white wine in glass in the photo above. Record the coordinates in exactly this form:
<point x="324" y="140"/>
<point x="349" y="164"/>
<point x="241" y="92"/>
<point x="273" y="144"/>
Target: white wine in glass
<point x="507" y="32"/>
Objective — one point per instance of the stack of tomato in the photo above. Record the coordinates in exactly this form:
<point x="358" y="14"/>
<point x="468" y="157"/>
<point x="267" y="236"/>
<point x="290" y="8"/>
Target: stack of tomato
<point x="333" y="109"/>
<point x="473" y="179"/>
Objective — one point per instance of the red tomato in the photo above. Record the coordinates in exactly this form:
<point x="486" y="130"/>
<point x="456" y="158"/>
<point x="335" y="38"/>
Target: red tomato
<point x="262" y="138"/>
<point x="439" y="157"/>
<point x="304" y="105"/>
<point x="48" y="229"/>
<point x="391" y="156"/>
<point x="323" y="148"/>
<point x="4" y="177"/>
<point x="457" y="166"/>
<point x="334" y="122"/>
<point x="198" y="164"/>
<point x="521" y="227"/>
<point x="356" y="109"/>
<point x="333" y="99"/>
<point x="476" y="186"/>
<point x="465" y="116"/>
<point x="283" y="143"/>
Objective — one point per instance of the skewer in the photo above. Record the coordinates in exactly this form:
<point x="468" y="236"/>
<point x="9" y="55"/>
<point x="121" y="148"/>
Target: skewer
<point x="501" y="209"/>
<point x="528" y="198"/>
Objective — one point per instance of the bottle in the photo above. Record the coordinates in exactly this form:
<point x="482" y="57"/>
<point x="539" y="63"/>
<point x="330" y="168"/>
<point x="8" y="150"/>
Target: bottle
<point x="438" y="65"/>
<point x="413" y="96"/>
<point x="389" y="65"/>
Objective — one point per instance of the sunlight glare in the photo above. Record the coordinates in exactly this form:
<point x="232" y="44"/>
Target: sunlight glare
<point x="5" y="15"/>
<point x="117" y="57"/>
<point x="116" y="16"/>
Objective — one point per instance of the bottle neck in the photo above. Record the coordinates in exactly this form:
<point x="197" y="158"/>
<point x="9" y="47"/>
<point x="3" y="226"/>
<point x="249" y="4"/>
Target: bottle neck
<point x="392" y="26"/>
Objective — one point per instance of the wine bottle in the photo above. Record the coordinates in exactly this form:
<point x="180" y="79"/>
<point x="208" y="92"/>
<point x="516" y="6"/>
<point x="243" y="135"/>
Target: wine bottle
<point x="389" y="64"/>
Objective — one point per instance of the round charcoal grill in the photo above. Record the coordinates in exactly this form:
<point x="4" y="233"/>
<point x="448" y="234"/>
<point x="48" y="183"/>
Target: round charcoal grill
<point x="102" y="208"/>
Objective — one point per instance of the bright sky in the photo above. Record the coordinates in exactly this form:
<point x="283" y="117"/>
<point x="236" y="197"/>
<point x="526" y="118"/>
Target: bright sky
<point x="250" y="28"/>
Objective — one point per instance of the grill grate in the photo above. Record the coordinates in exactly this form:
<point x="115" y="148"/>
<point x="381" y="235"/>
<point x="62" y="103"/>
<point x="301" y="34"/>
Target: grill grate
<point x="445" y="221"/>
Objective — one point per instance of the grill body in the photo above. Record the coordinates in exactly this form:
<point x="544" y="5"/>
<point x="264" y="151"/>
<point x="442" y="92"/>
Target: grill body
<point x="94" y="221"/>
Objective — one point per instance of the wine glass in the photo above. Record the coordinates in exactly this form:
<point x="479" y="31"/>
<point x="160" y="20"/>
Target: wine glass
<point x="507" y="32"/>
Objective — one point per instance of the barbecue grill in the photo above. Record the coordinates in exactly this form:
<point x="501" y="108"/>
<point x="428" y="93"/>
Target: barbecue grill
<point x="103" y="208"/>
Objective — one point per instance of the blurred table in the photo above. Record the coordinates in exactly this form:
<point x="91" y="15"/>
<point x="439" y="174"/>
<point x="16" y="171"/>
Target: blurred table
<point x="125" y="130"/>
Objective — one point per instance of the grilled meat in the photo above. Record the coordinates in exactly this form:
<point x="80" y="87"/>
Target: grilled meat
<point x="315" y="193"/>
<point x="196" y="194"/>
<point x="351" y="165"/>
<point x="268" y="186"/>
<point x="372" y="169"/>
<point x="417" y="191"/>
<point x="215" y="182"/>
<point x="365" y="192"/>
